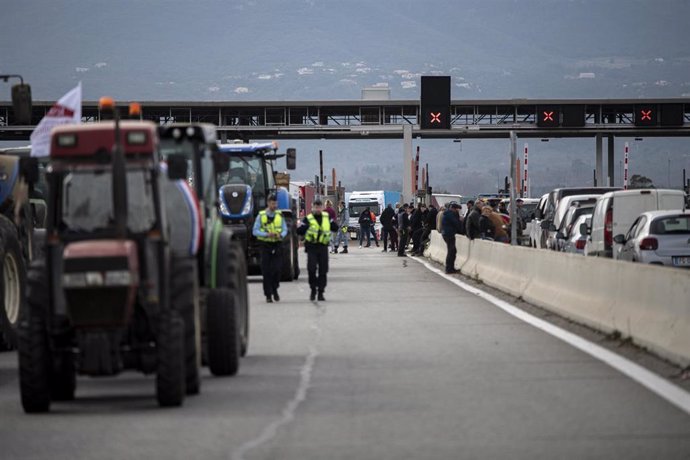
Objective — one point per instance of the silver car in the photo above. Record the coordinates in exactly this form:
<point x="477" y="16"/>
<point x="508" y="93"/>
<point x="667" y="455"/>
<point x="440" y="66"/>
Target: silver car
<point x="658" y="237"/>
<point x="576" y="239"/>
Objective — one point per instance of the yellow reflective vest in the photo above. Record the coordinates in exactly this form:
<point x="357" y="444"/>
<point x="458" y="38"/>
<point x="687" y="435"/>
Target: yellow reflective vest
<point x="275" y="226"/>
<point x="318" y="233"/>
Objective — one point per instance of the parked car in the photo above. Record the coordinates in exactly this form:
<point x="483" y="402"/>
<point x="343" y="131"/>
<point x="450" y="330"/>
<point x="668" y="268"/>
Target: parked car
<point x="575" y="241"/>
<point x="658" y="237"/>
<point x="557" y="224"/>
<point x="534" y="226"/>
<point x="576" y="209"/>
<point x="555" y="196"/>
<point x="615" y="212"/>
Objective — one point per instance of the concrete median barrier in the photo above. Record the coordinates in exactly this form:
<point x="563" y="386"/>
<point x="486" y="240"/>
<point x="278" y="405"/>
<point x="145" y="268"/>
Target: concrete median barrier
<point x="649" y="304"/>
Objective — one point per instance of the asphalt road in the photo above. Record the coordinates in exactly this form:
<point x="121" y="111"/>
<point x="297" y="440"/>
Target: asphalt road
<point x="398" y="363"/>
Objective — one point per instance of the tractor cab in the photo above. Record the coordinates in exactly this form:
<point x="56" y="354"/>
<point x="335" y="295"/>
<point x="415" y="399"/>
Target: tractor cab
<point x="245" y="185"/>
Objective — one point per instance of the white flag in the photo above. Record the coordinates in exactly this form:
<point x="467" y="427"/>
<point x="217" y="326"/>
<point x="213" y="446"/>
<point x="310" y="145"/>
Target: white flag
<point x="66" y="110"/>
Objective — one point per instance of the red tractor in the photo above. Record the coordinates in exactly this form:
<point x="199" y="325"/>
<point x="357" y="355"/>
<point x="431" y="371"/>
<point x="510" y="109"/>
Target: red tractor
<point x="108" y="296"/>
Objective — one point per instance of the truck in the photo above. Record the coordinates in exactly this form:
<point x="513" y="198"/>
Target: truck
<point x="376" y="201"/>
<point x="244" y="189"/>
<point x="107" y="295"/>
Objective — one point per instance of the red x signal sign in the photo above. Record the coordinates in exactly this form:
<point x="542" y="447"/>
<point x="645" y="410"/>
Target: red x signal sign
<point x="646" y="115"/>
<point x="548" y="116"/>
<point x="435" y="117"/>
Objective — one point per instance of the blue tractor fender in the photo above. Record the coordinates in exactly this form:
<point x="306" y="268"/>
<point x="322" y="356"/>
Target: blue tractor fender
<point x="9" y="177"/>
<point x="284" y="200"/>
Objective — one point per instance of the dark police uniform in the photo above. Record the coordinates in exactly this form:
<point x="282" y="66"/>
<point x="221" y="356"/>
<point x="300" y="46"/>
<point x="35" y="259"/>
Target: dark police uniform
<point x="317" y="233"/>
<point x="271" y="250"/>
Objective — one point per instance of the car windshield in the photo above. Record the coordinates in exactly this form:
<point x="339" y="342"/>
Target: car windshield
<point x="672" y="225"/>
<point x="182" y="147"/>
<point x="244" y="170"/>
<point x="87" y="203"/>
<point x="356" y="209"/>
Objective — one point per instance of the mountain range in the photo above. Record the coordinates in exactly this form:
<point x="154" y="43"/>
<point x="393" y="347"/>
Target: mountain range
<point x="331" y="49"/>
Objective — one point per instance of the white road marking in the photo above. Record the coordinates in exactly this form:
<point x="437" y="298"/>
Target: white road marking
<point x="668" y="391"/>
<point x="288" y="414"/>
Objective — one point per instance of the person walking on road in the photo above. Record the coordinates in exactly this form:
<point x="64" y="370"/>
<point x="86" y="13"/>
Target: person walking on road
<point x="334" y="216"/>
<point x="387" y="225"/>
<point x="270" y="229"/>
<point x="365" y="227"/>
<point x="317" y="228"/>
<point x="341" y="235"/>
<point x="372" y="227"/>
<point x="403" y="229"/>
<point x="451" y="225"/>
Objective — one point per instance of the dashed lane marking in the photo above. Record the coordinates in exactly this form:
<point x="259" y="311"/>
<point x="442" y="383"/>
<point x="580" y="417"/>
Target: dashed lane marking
<point x="663" y="388"/>
<point x="290" y="409"/>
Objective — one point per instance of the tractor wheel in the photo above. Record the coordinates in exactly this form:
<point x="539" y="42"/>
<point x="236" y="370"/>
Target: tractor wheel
<point x="63" y="378"/>
<point x="288" y="270"/>
<point x="170" y="376"/>
<point x="32" y="342"/>
<point x="185" y="301"/>
<point x="296" y="257"/>
<point x="234" y="277"/>
<point x="223" y="334"/>
<point x="13" y="280"/>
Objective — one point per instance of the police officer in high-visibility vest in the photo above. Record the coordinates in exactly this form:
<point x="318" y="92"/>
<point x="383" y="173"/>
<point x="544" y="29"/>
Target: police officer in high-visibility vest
<point x="270" y="229"/>
<point x="317" y="228"/>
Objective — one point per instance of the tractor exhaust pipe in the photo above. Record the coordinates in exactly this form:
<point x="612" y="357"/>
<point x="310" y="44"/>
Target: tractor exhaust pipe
<point x="119" y="172"/>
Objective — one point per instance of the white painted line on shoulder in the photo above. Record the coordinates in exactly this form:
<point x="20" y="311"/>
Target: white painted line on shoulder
<point x="663" y="388"/>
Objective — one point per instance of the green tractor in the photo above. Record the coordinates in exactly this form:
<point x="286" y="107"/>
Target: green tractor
<point x="200" y="235"/>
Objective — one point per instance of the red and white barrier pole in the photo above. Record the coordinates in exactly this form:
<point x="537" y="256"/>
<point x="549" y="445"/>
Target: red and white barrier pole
<point x="625" y="170"/>
<point x="525" y="191"/>
<point x="416" y="172"/>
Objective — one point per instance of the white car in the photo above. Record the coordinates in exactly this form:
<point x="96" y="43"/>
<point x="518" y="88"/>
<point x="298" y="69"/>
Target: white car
<point x="658" y="237"/>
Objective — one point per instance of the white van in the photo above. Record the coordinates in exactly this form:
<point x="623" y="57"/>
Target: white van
<point x="615" y="212"/>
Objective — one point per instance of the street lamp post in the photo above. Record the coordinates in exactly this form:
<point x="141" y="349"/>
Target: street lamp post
<point x="21" y="99"/>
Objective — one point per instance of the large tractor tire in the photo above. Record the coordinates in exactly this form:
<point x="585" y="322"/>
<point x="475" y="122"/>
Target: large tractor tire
<point x="232" y="274"/>
<point x="63" y="377"/>
<point x="35" y="361"/>
<point x="185" y="301"/>
<point x="170" y="374"/>
<point x="13" y="279"/>
<point x="289" y="257"/>
<point x="223" y="332"/>
<point x="296" y="257"/>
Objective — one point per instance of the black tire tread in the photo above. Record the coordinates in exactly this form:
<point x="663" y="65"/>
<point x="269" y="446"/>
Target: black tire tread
<point x="32" y="341"/>
<point x="170" y="375"/>
<point x="184" y="300"/>
<point x="235" y="279"/>
<point x="224" y="348"/>
<point x="9" y="241"/>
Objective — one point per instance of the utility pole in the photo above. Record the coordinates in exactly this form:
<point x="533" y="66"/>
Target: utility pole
<point x="513" y="179"/>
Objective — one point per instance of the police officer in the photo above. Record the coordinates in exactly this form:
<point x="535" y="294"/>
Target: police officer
<point x="270" y="229"/>
<point x="317" y="228"/>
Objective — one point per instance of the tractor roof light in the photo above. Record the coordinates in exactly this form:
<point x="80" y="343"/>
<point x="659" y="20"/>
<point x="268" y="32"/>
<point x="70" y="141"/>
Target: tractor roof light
<point x="106" y="103"/>
<point x="134" y="110"/>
